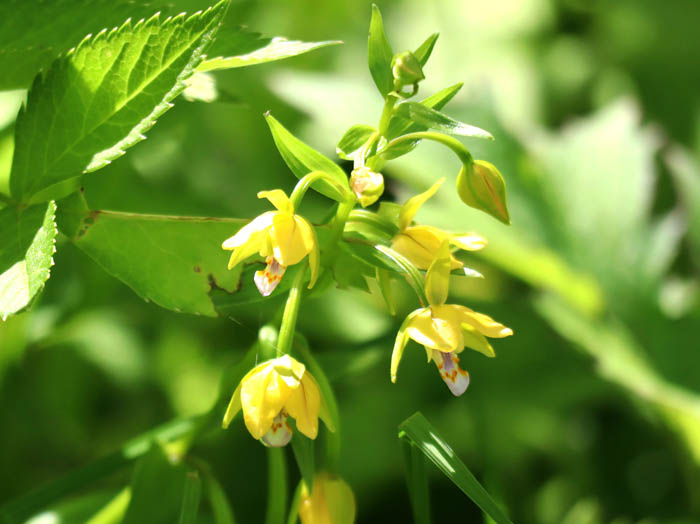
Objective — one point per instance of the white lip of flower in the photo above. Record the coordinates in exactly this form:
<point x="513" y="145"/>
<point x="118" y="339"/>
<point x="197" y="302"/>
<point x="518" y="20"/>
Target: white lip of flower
<point x="266" y="280"/>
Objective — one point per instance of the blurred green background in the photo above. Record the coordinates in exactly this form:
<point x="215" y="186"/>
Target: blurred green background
<point x="590" y="413"/>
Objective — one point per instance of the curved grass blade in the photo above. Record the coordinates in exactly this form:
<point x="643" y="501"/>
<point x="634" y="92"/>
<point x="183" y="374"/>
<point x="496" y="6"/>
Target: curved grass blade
<point x="425" y="437"/>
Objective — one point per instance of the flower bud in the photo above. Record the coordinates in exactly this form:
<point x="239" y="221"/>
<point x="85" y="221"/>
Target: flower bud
<point x="481" y="186"/>
<point x="367" y="185"/>
<point x="330" y="502"/>
<point x="406" y="69"/>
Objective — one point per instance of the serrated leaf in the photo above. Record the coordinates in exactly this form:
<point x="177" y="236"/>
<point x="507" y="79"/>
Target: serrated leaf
<point x="425" y="437"/>
<point x="433" y="119"/>
<point x="401" y="126"/>
<point x="34" y="32"/>
<point x="425" y="49"/>
<point x="27" y="240"/>
<point x="172" y="261"/>
<point x="278" y="48"/>
<point x="303" y="159"/>
<point x="353" y="139"/>
<point x="99" y="99"/>
<point x="379" y="54"/>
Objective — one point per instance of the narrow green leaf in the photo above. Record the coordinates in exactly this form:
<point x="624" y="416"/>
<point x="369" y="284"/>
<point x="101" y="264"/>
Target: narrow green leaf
<point x="401" y="126"/>
<point x="304" y="454"/>
<point x="423" y="435"/>
<point x="425" y="49"/>
<point x="276" y="486"/>
<point x="277" y="49"/>
<point x="417" y="481"/>
<point x="156" y="478"/>
<point x="379" y="54"/>
<point x="384" y="257"/>
<point x="172" y="261"/>
<point x="353" y="139"/>
<point x="384" y="282"/>
<point x="433" y="119"/>
<point x="101" y="97"/>
<point x="27" y="239"/>
<point x="190" y="498"/>
<point x="114" y="510"/>
<point x="302" y="160"/>
<point x="220" y="506"/>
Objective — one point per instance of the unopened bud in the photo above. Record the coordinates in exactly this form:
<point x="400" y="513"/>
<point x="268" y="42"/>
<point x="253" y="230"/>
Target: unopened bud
<point x="331" y="501"/>
<point x="367" y="185"/>
<point x="406" y="69"/>
<point x="481" y="185"/>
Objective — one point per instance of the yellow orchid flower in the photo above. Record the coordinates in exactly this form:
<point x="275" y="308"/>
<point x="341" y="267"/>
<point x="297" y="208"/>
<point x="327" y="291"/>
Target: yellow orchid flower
<point x="446" y="329"/>
<point x="281" y="236"/>
<point x="331" y="501"/>
<point x="271" y="392"/>
<point x="420" y="243"/>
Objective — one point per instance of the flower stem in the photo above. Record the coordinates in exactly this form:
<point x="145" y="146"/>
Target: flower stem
<point x="446" y="140"/>
<point x="306" y="181"/>
<point x="291" y="311"/>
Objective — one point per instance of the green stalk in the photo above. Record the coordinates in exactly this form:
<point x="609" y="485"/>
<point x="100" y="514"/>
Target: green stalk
<point x="306" y="181"/>
<point x="113" y="512"/>
<point x="277" y="486"/>
<point x="446" y="140"/>
<point x="291" y="311"/>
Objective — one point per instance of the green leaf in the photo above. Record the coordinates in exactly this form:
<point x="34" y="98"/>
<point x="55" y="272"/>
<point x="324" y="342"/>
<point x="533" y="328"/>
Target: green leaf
<point x="423" y="435"/>
<point x="400" y="126"/>
<point x="223" y="514"/>
<point x="425" y="49"/>
<point x="303" y="448"/>
<point x="236" y="40"/>
<point x="382" y="256"/>
<point x="156" y="478"/>
<point x="433" y="119"/>
<point x="27" y="239"/>
<point x="278" y="48"/>
<point x="417" y="481"/>
<point x="302" y="160"/>
<point x="190" y="498"/>
<point x="276" y="486"/>
<point x="34" y="32"/>
<point x="481" y="186"/>
<point x="379" y="54"/>
<point x="353" y="139"/>
<point x="172" y="261"/>
<point x="686" y="175"/>
<point x="99" y="99"/>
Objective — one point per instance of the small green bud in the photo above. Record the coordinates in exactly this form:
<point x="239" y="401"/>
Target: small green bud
<point x="406" y="70"/>
<point x="367" y="185"/>
<point x="481" y="186"/>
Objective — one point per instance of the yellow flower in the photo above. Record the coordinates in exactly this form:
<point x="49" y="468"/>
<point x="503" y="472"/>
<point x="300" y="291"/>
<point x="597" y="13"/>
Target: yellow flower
<point x="446" y="329"/>
<point x="367" y="185"/>
<point x="273" y="391"/>
<point x="420" y="243"/>
<point x="281" y="236"/>
<point x="331" y="501"/>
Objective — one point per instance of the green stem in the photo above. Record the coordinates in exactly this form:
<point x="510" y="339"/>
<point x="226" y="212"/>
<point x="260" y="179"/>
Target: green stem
<point x="306" y="181"/>
<point x="291" y="311"/>
<point x="277" y="486"/>
<point x="113" y="512"/>
<point x="387" y="113"/>
<point x="446" y="140"/>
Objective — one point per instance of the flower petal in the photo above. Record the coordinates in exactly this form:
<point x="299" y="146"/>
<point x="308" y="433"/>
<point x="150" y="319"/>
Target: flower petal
<point x="413" y="204"/>
<point x="455" y="377"/>
<point x="279" y="434"/>
<point x="483" y="323"/>
<point x="476" y="341"/>
<point x="266" y="280"/>
<point x="243" y="235"/>
<point x="433" y="331"/>
<point x="279" y="199"/>
<point x="308" y="234"/>
<point x="234" y="406"/>
<point x="303" y="405"/>
<point x="288" y="243"/>
<point x="437" y="279"/>
<point x="263" y="395"/>
<point x="468" y="241"/>
<point x="400" y="343"/>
